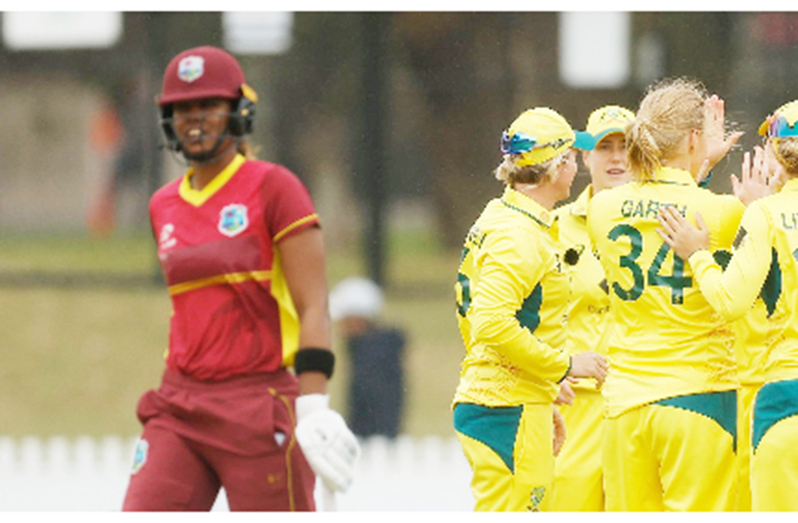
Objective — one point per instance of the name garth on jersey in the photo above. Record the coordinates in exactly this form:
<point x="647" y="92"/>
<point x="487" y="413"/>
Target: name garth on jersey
<point x="647" y="208"/>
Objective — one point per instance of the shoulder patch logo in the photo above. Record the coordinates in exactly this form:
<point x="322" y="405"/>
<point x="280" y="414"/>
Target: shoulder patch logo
<point x="191" y="68"/>
<point x="166" y="240"/>
<point x="233" y="220"/>
<point x="140" y="455"/>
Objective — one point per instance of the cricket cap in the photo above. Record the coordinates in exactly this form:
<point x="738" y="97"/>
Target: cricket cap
<point x="608" y="120"/>
<point x="540" y="134"/>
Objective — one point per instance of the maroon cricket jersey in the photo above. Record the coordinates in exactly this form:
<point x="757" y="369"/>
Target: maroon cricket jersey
<point x="232" y="313"/>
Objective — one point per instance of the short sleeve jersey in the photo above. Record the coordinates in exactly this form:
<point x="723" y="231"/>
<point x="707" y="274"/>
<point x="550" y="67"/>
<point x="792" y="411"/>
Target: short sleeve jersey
<point x="511" y="295"/>
<point x="589" y="301"/>
<point x="764" y="266"/>
<point x="666" y="339"/>
<point x="218" y="247"/>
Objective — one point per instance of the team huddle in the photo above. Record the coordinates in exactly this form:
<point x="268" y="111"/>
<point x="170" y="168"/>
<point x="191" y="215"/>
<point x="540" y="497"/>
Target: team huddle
<point x="636" y="349"/>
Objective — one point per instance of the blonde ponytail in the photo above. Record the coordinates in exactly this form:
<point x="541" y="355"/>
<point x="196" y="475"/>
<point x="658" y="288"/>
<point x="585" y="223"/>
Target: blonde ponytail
<point x="669" y="110"/>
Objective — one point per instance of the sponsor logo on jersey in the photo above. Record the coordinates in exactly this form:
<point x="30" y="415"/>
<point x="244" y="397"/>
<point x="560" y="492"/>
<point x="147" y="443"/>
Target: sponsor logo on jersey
<point x="165" y="239"/>
<point x="140" y="455"/>
<point x="536" y="498"/>
<point x="191" y="68"/>
<point x="233" y="219"/>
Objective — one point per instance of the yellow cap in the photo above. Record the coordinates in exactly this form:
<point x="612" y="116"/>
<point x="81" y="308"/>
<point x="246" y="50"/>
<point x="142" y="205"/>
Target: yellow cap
<point x="540" y="134"/>
<point x="607" y="120"/>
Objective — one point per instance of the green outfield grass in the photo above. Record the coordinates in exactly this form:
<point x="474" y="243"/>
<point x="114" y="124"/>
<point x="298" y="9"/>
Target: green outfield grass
<point x="75" y="359"/>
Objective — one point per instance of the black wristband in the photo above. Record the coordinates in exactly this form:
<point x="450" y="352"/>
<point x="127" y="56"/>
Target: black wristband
<point x="312" y="359"/>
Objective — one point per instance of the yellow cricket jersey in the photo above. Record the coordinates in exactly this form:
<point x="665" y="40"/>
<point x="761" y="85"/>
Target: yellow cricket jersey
<point x="589" y="302"/>
<point x="766" y="251"/>
<point x="511" y="297"/>
<point x="752" y="333"/>
<point x="666" y="339"/>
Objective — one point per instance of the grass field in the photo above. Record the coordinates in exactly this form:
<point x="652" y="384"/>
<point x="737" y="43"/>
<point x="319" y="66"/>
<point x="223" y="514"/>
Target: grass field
<point x="76" y="358"/>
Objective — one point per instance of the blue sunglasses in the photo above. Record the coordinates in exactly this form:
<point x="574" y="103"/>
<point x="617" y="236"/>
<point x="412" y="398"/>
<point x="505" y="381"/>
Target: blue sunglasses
<point x="780" y="128"/>
<point x="519" y="143"/>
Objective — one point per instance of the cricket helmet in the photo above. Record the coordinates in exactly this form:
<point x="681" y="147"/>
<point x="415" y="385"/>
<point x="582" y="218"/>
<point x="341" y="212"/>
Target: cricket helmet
<point x="206" y="72"/>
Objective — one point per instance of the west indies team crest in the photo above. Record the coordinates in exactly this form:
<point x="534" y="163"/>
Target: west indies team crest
<point x="190" y="68"/>
<point x="233" y="219"/>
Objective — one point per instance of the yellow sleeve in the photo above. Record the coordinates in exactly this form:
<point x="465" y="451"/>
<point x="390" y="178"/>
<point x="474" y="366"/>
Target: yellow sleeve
<point x="732" y="292"/>
<point x="511" y="271"/>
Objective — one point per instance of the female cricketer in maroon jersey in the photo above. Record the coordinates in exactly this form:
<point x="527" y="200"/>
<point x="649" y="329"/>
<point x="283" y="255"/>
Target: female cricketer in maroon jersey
<point x="241" y="251"/>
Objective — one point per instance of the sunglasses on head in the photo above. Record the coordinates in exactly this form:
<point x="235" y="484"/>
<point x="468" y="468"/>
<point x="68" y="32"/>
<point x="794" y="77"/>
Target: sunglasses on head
<point x="612" y="114"/>
<point x="519" y="143"/>
<point x="780" y="128"/>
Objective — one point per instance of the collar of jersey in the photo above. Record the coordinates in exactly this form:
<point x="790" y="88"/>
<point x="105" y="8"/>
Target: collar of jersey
<point x="522" y="203"/>
<point x="198" y="197"/>
<point x="791" y="185"/>
<point x="669" y="175"/>
<point x="579" y="207"/>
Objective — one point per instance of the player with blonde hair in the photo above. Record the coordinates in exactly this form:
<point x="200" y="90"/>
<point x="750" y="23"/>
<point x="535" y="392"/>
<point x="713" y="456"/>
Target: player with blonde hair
<point x="764" y="266"/>
<point x="511" y="295"/>
<point x="578" y="478"/>
<point x="670" y="433"/>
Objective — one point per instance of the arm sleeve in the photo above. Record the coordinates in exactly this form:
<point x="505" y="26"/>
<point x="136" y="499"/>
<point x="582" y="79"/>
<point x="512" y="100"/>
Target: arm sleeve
<point x="732" y="292"/>
<point x="289" y="208"/>
<point x="511" y="269"/>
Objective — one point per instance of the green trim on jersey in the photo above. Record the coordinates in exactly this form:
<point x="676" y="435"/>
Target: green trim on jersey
<point x="720" y="406"/>
<point x="529" y="313"/>
<point x="771" y="288"/>
<point x="496" y="427"/>
<point x="722" y="257"/>
<point x="774" y="402"/>
<point x="525" y="213"/>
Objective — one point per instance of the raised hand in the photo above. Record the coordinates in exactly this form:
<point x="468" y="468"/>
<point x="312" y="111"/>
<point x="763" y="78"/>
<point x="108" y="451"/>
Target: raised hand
<point x="755" y="181"/>
<point x="718" y="143"/>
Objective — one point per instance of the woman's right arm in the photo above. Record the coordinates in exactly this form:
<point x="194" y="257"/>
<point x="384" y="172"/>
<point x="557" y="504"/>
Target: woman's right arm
<point x="732" y="291"/>
<point x="511" y="269"/>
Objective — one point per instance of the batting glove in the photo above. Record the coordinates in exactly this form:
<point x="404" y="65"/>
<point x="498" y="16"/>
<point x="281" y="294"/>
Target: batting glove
<point x="327" y="443"/>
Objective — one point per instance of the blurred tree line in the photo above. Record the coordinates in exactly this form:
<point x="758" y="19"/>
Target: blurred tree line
<point x="412" y="104"/>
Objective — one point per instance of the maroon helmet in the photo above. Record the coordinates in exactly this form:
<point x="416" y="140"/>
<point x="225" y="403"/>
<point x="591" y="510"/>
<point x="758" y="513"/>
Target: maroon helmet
<point x="206" y="72"/>
<point x="201" y="72"/>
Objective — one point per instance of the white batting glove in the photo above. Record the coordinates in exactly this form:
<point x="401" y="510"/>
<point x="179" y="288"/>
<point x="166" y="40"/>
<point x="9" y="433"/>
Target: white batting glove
<point x="327" y="443"/>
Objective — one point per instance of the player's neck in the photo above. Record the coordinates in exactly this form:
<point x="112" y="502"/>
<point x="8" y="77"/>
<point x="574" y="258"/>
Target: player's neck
<point x="205" y="172"/>
<point x="542" y="194"/>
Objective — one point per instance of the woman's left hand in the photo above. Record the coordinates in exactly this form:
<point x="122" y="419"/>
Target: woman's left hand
<point x="566" y="395"/>
<point x="681" y="235"/>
